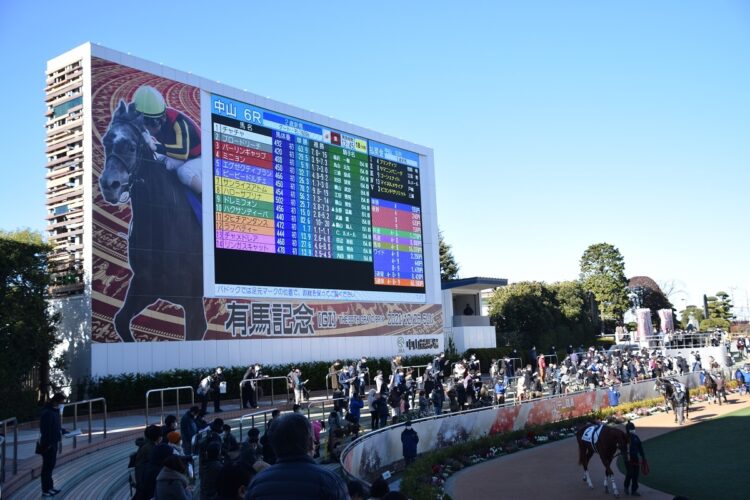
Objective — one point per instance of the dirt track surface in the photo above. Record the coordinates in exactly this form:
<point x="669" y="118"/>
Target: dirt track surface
<point x="553" y="470"/>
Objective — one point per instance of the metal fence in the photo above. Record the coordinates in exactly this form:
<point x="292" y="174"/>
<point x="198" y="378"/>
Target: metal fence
<point x="264" y="379"/>
<point x="90" y="403"/>
<point x="3" y="447"/>
<point x="177" y="396"/>
<point x="322" y="405"/>
<point x="251" y="417"/>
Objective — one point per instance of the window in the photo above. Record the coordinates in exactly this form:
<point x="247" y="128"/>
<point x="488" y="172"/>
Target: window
<point x="63" y="108"/>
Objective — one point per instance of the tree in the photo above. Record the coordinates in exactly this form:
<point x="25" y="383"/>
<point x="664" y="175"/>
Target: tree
<point x="25" y="235"/>
<point x="448" y="265"/>
<point x="645" y="293"/>
<point x="670" y="288"/>
<point x="522" y="313"/>
<point x="720" y="307"/>
<point x="576" y="324"/>
<point x="27" y="328"/>
<point x="691" y="310"/>
<point x="603" y="273"/>
<point x="534" y="313"/>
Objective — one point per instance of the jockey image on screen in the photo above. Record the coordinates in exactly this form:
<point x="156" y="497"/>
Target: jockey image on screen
<point x="174" y="138"/>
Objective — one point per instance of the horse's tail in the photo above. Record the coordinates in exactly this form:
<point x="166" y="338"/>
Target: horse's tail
<point x="581" y="447"/>
<point x="581" y="453"/>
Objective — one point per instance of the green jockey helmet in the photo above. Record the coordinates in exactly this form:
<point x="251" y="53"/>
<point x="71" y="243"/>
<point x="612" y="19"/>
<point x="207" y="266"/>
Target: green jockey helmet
<point x="149" y="101"/>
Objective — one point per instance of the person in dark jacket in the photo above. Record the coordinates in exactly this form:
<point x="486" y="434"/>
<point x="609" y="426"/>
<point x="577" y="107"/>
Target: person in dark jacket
<point x="380" y="415"/>
<point x="50" y="431"/>
<point x="249" y="389"/>
<point x="171" y="483"/>
<point x="635" y="454"/>
<point x="268" y="454"/>
<point x="295" y="475"/>
<point x="251" y="451"/>
<point x="209" y="471"/>
<point x="409" y="440"/>
<point x="151" y="438"/>
<point x="229" y="445"/>
<point x="170" y="424"/>
<point x="189" y="428"/>
<point x="152" y="468"/>
<point x="355" y="409"/>
<point x="233" y="480"/>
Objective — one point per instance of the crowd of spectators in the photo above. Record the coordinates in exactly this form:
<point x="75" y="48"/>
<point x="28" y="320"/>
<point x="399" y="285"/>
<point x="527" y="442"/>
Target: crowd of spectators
<point x="164" y="462"/>
<point x="280" y="463"/>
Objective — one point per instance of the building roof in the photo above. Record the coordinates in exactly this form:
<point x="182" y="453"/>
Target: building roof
<point x="475" y="284"/>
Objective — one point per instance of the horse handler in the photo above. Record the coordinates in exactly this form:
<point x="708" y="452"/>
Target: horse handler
<point x="635" y="459"/>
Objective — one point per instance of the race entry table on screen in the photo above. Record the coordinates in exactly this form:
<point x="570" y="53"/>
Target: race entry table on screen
<point x="300" y="193"/>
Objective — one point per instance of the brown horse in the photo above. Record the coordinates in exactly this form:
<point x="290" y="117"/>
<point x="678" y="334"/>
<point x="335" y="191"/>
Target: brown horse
<point x="709" y="382"/>
<point x="606" y="441"/>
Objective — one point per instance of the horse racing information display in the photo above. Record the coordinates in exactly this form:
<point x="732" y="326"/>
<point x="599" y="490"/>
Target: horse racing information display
<point x="304" y="211"/>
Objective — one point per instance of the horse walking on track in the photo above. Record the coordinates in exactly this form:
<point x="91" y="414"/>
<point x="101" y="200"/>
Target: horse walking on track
<point x="676" y="396"/>
<point x="605" y="441"/>
<point x="712" y="392"/>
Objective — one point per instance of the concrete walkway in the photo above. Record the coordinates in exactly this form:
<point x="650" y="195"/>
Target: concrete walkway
<point x="99" y="469"/>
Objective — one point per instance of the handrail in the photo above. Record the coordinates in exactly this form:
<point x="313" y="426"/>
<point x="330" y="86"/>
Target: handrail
<point x="246" y="380"/>
<point x="251" y="416"/>
<point x="515" y="367"/>
<point x="177" y="394"/>
<point x="323" y="405"/>
<point x="417" y="367"/>
<point x="548" y="358"/>
<point x="329" y="386"/>
<point x="5" y="423"/>
<point x="89" y="402"/>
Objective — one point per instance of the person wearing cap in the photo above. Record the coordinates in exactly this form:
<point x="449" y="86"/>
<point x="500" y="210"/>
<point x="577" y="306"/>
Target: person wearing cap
<point x="50" y="430"/>
<point x="172" y="136"/>
<point x="634" y="458"/>
<point x="409" y="440"/>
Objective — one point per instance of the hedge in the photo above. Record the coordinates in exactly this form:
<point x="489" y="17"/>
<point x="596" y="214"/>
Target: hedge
<point x="128" y="390"/>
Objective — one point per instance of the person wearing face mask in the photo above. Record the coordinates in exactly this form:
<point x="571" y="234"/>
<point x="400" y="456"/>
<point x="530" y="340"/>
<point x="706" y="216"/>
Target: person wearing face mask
<point x="409" y="440"/>
<point x="51" y="431"/>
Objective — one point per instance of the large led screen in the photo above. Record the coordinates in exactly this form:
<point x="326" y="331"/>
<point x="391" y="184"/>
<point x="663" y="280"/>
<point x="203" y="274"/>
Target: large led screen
<point x="310" y="232"/>
<point x="304" y="211"/>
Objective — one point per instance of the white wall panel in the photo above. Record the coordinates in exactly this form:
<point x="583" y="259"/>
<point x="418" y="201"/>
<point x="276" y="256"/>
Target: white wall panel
<point x="99" y="358"/>
<point x="199" y="354"/>
<point x="144" y="360"/>
<point x="146" y="357"/>
<point x="233" y="354"/>
<point x="185" y="354"/>
<point x="164" y="356"/>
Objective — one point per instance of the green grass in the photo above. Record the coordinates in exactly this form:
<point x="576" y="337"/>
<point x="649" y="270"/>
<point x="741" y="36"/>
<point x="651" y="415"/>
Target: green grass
<point x="704" y="461"/>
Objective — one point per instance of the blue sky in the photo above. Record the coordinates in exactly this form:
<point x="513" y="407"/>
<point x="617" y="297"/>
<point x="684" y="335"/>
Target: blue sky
<point x="555" y="124"/>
